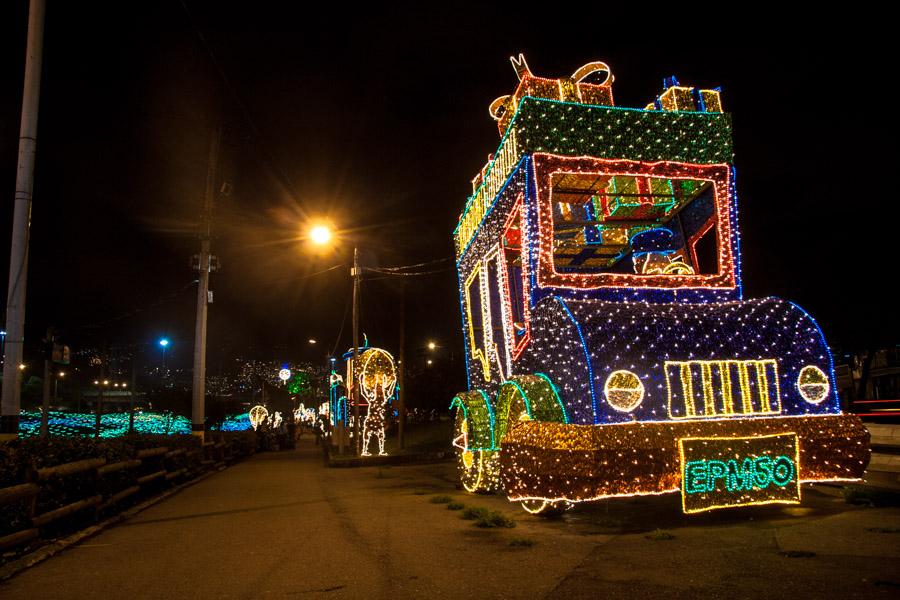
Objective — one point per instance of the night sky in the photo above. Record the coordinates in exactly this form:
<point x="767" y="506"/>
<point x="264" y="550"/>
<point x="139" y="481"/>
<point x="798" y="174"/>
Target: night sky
<point x="378" y="122"/>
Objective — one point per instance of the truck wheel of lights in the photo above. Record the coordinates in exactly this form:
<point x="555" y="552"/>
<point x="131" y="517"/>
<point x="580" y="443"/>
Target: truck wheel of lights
<point x="610" y="351"/>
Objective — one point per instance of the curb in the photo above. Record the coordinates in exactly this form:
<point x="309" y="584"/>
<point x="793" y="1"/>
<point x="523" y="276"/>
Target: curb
<point x="44" y="552"/>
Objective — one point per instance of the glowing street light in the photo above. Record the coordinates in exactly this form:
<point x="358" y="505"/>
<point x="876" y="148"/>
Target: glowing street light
<point x="432" y="345"/>
<point x="320" y="235"/>
<point x="164" y="344"/>
<point x="59" y="375"/>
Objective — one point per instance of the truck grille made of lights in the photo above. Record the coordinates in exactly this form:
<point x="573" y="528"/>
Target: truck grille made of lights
<point x="701" y="389"/>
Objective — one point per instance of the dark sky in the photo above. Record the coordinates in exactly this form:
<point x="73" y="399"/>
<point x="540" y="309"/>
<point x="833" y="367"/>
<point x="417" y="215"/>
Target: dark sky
<point x="379" y="121"/>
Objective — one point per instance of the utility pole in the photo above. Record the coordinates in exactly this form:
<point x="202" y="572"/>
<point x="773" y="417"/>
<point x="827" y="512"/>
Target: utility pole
<point x="204" y="266"/>
<point x="401" y="422"/>
<point x="354" y="387"/>
<point x="18" y="256"/>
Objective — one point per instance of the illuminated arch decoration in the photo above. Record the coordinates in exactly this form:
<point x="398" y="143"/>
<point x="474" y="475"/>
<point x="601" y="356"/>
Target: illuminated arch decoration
<point x="598" y="261"/>
<point x="377" y="380"/>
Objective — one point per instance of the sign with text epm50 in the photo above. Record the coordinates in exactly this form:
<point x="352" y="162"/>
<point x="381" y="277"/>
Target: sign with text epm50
<point x="726" y="472"/>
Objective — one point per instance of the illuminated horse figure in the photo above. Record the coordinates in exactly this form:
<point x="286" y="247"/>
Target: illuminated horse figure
<point x="377" y="380"/>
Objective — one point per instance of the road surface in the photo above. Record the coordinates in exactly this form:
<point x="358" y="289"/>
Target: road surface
<point x="281" y="525"/>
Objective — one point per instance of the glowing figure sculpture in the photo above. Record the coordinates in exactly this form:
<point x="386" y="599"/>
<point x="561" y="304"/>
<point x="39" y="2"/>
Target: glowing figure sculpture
<point x="276" y="420"/>
<point x="337" y="402"/>
<point x="377" y="379"/>
<point x="258" y="415"/>
<point x="610" y="350"/>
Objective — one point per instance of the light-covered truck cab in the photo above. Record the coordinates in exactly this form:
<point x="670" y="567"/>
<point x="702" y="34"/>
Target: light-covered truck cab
<point x="610" y="351"/>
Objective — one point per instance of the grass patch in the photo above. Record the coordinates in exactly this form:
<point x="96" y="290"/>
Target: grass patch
<point x="608" y="522"/>
<point x="496" y="519"/>
<point x="521" y="542"/>
<point x="442" y="499"/>
<point x="473" y="513"/>
<point x="659" y="535"/>
<point x="484" y="517"/>
<point x="796" y="554"/>
<point x="455" y="506"/>
<point x="883" y="529"/>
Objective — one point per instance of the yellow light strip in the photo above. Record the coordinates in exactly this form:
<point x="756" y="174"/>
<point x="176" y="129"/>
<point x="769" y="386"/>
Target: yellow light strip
<point x="477" y="353"/>
<point x="769" y="403"/>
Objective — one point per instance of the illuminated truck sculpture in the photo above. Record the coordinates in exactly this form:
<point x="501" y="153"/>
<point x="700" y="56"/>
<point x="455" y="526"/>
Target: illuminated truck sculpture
<point x="609" y="349"/>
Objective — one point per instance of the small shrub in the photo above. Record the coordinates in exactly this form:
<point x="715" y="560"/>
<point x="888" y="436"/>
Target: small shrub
<point x="455" y="506"/>
<point x="521" y="542"/>
<point x="442" y="499"/>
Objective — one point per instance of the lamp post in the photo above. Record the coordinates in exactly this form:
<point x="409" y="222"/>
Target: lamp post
<point x="10" y="403"/>
<point x="101" y="385"/>
<point x="164" y="343"/>
<point x="321" y="235"/>
<point x="355" y="389"/>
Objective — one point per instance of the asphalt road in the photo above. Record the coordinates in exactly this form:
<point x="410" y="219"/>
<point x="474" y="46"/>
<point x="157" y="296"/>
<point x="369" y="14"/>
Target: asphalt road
<point x="283" y="525"/>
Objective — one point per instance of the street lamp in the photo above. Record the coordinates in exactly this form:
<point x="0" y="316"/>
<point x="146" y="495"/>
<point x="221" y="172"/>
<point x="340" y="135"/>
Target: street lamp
<point x="432" y="345"/>
<point x="320" y="235"/>
<point x="164" y="343"/>
<point x="98" y="409"/>
<point x="59" y="376"/>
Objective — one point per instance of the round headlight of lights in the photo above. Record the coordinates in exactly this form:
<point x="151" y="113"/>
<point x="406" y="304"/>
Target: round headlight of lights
<point x="624" y="390"/>
<point x="813" y="384"/>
